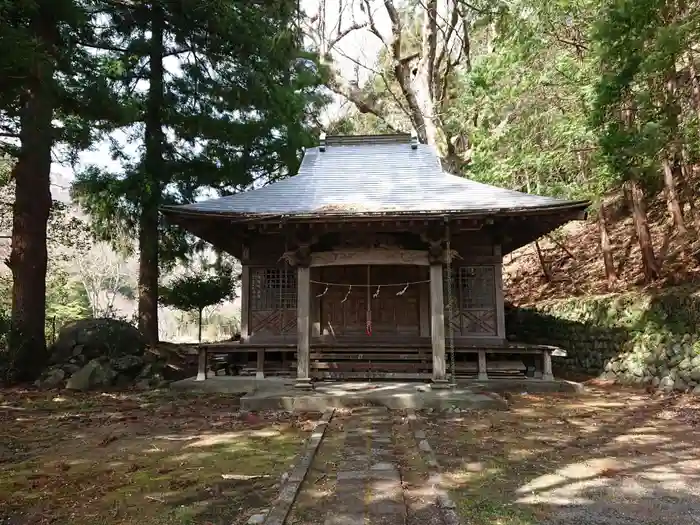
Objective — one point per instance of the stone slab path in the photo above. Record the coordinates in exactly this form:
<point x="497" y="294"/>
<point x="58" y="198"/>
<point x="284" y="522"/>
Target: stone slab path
<point x="357" y="478"/>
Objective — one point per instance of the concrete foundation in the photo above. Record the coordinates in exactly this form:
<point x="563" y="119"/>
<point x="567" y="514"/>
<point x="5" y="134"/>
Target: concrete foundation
<point x="280" y="394"/>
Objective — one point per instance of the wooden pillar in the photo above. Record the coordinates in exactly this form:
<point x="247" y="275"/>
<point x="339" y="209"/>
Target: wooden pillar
<point x="260" y="364"/>
<point x="202" y="364"/>
<point x="500" y="308"/>
<point x="303" y="326"/>
<point x="482" y="374"/>
<point x="437" y="324"/>
<point x="547" y="372"/>
<point x="245" y="302"/>
<point x="424" y="311"/>
<point x="316" y="307"/>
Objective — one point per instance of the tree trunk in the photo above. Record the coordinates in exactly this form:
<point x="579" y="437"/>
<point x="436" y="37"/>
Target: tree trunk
<point x="543" y="265"/>
<point x="151" y="190"/>
<point x="673" y="151"/>
<point x="423" y="79"/>
<point x="199" y="335"/>
<point x="639" y="214"/>
<point x="605" y="246"/>
<point x="672" y="200"/>
<point x="32" y="173"/>
<point x="687" y="173"/>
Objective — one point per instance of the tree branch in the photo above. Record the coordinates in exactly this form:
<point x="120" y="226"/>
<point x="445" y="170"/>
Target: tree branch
<point x="409" y="58"/>
<point x="381" y="75"/>
<point x="372" y="25"/>
<point x="345" y="32"/>
<point x="352" y="93"/>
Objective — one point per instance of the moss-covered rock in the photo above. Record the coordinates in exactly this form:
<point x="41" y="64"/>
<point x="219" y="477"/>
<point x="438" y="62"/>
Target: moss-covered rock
<point x="92" y="338"/>
<point x="99" y="353"/>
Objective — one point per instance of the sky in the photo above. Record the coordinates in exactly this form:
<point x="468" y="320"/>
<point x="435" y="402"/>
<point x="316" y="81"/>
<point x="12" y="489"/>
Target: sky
<point x="361" y="46"/>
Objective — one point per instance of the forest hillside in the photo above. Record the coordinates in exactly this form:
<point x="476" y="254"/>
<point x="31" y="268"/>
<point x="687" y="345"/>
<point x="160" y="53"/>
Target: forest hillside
<point x="569" y="262"/>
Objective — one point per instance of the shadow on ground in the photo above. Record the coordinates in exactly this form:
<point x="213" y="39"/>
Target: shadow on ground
<point x="148" y="459"/>
<point x="610" y="456"/>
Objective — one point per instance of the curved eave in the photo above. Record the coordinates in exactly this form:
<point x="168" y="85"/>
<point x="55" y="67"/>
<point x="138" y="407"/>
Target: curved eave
<point x="227" y="230"/>
<point x="340" y="215"/>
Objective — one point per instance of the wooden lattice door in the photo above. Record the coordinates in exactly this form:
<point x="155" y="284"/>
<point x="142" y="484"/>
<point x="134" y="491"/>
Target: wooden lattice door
<point x="273" y="302"/>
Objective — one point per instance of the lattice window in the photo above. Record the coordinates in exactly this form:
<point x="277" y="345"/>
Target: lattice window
<point x="473" y="309"/>
<point x="273" y="289"/>
<point x="477" y="285"/>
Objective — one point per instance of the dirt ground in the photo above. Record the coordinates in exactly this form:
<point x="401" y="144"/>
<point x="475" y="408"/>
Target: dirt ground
<point x="151" y="459"/>
<point x="610" y="456"/>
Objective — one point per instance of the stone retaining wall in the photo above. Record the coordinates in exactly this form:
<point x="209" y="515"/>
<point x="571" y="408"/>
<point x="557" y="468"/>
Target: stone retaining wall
<point x="631" y="338"/>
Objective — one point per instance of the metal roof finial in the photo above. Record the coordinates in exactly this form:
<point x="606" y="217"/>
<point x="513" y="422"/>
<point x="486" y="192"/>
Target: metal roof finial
<point x="322" y="146"/>
<point x="414" y="138"/>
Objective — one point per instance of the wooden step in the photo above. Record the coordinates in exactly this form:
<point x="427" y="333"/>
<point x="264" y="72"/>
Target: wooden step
<point x="408" y="367"/>
<point x="371" y="375"/>
<point x="370" y="355"/>
<point x="492" y="366"/>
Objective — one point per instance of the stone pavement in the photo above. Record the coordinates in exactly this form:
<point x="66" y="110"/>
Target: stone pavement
<point x="369" y="470"/>
<point x="368" y="482"/>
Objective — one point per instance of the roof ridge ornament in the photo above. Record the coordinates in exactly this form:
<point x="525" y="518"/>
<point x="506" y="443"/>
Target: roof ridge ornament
<point x="414" y="138"/>
<point x="322" y="144"/>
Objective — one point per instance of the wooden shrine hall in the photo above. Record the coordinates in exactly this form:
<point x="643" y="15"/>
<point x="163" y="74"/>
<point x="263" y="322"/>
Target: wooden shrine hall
<point x="372" y="262"/>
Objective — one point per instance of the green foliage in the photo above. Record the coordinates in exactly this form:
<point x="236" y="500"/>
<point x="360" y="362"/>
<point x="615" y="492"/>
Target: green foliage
<point x="524" y="104"/>
<point x="673" y="311"/>
<point x="239" y="109"/>
<point x="637" y="46"/>
<point x="196" y="292"/>
<point x="66" y="300"/>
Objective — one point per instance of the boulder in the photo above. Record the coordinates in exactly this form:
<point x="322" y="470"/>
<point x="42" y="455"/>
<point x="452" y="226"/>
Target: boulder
<point x="667" y="383"/>
<point x="95" y="374"/>
<point x="127" y="363"/>
<point x="91" y="338"/>
<point x="685" y="364"/>
<point x="636" y="369"/>
<point x="695" y="374"/>
<point x="53" y="378"/>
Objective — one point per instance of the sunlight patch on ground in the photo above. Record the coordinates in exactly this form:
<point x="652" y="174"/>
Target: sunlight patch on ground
<point x="111" y="452"/>
<point x="554" y="458"/>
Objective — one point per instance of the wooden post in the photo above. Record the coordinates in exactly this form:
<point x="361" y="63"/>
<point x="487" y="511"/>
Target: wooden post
<point x="245" y="302"/>
<point x="547" y="372"/>
<point x="202" y="364"/>
<point x="500" y="308"/>
<point x="424" y="312"/>
<point x="437" y="324"/>
<point x="260" y="368"/>
<point x="482" y="374"/>
<point x="303" y="326"/>
<point x="316" y="307"/>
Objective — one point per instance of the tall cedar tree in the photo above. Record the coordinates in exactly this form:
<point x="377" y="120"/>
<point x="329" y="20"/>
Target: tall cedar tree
<point x="231" y="100"/>
<point x="46" y="75"/>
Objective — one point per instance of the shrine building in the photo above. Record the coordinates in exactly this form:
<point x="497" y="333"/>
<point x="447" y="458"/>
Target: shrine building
<point x="374" y="263"/>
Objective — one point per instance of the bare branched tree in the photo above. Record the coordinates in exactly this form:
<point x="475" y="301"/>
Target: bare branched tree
<point x="423" y="44"/>
<point x="105" y="275"/>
